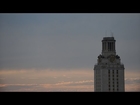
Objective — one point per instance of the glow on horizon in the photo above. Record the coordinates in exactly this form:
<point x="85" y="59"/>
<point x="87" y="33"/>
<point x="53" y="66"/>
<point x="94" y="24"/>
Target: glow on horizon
<point x="58" y="80"/>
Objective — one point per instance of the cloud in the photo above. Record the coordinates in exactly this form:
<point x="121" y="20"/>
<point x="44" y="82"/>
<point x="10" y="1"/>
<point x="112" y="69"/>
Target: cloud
<point x="132" y="80"/>
<point x="132" y="87"/>
<point x="132" y="84"/>
<point x="57" y="80"/>
<point x="60" y="86"/>
<point x="84" y="82"/>
<point x="18" y="87"/>
<point x="46" y="80"/>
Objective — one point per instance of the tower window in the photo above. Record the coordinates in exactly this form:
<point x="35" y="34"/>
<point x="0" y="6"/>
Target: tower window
<point x="113" y="71"/>
<point x="109" y="73"/>
<point x="113" y="89"/>
<point x="113" y="79"/>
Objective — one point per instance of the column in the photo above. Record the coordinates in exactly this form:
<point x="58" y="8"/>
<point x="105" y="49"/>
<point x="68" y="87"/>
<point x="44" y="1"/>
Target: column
<point x="105" y="45"/>
<point x="108" y="46"/>
<point x="114" y="46"/>
<point x="111" y="46"/>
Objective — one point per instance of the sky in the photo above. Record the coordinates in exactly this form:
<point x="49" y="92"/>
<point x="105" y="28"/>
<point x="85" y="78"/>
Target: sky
<point x="57" y="51"/>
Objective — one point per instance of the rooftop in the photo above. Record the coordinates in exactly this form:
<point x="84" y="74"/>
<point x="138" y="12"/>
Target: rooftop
<point x="108" y="38"/>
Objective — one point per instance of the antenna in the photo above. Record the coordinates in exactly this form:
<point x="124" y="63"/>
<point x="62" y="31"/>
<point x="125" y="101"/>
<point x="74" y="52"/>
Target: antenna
<point x="111" y="33"/>
<point x="105" y="33"/>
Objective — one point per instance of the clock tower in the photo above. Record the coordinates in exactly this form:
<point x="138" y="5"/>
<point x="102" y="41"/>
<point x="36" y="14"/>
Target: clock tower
<point x="109" y="71"/>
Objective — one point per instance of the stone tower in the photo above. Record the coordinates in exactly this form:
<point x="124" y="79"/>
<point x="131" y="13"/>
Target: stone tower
<point x="109" y="71"/>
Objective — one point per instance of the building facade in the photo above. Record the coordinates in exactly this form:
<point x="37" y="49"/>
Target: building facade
<point x="109" y="71"/>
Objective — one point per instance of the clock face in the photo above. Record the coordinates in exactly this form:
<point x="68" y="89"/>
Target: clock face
<point x="112" y="58"/>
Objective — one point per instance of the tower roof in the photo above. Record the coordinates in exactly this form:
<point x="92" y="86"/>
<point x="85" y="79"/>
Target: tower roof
<point x="108" y="38"/>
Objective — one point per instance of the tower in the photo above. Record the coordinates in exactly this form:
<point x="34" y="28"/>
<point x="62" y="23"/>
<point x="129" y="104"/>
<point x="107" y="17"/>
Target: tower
<point x="109" y="71"/>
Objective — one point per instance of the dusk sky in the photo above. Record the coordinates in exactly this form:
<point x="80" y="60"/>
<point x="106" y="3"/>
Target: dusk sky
<point x="57" y="51"/>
